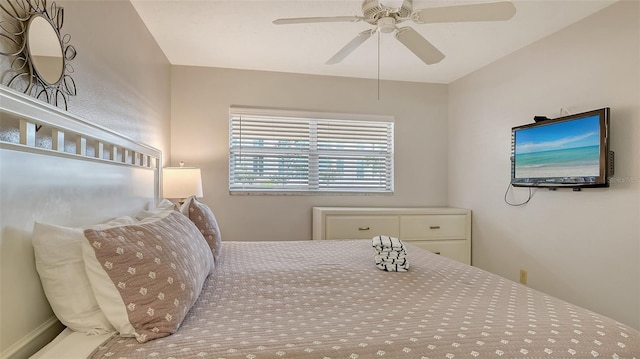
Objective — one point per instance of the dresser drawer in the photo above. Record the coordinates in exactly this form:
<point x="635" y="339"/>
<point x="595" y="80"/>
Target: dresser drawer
<point x="361" y="227"/>
<point x="434" y="227"/>
<point x="458" y="250"/>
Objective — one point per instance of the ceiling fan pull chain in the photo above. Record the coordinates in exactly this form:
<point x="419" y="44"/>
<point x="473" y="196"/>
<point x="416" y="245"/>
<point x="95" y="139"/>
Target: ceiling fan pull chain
<point x="378" y="65"/>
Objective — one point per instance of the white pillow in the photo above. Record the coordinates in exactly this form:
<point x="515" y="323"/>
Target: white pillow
<point x="162" y="210"/>
<point x="58" y="254"/>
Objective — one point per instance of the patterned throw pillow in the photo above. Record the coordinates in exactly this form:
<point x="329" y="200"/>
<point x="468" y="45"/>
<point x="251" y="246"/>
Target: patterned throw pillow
<point x="206" y="222"/>
<point x="147" y="276"/>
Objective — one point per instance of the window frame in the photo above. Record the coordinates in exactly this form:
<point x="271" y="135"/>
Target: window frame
<point x="236" y="110"/>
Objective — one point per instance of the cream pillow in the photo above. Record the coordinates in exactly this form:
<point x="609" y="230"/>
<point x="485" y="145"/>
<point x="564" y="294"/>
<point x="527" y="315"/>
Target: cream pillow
<point x="147" y="276"/>
<point x="58" y="255"/>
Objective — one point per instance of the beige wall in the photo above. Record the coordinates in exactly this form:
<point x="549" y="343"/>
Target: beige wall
<point x="121" y="75"/>
<point x="123" y="83"/>
<point x="199" y="136"/>
<point x="583" y="247"/>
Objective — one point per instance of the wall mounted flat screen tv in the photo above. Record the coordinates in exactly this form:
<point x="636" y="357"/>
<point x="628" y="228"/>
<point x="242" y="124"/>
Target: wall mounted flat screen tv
<point x="570" y="151"/>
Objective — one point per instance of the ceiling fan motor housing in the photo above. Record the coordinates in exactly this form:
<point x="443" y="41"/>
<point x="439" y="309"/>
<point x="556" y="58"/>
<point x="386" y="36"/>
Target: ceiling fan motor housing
<point x="373" y="11"/>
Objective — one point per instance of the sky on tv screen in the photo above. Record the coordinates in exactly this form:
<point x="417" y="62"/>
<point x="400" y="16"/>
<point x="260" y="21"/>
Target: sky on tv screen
<point x="577" y="133"/>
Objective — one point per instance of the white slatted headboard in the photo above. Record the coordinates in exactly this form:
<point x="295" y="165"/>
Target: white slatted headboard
<point x="59" y="169"/>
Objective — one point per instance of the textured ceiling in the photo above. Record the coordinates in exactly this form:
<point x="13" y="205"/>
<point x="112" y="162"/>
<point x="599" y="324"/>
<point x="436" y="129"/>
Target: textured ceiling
<point x="240" y="34"/>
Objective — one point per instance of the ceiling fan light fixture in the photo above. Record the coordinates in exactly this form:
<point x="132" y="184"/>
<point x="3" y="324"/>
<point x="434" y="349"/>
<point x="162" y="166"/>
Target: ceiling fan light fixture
<point x="387" y="25"/>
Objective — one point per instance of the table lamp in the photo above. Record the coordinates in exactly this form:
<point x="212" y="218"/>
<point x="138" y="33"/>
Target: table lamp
<point x="181" y="182"/>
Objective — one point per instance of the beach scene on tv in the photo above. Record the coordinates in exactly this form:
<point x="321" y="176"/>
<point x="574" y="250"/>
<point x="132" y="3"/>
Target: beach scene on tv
<point x="564" y="149"/>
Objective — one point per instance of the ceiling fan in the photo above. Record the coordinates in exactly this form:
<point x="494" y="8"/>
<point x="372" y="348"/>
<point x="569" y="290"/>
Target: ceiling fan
<point x="385" y="19"/>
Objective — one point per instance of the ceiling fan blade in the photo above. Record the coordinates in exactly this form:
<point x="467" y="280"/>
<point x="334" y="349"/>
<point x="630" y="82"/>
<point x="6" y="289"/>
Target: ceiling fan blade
<point x="422" y="48"/>
<point x="304" y="20"/>
<point x="496" y="11"/>
<point x="348" y="48"/>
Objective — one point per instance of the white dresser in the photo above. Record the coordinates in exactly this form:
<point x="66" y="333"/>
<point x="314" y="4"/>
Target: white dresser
<point x="442" y="230"/>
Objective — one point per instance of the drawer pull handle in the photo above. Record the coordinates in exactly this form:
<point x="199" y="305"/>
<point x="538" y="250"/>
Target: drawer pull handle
<point x="438" y="253"/>
<point x="363" y="228"/>
<point x="434" y="227"/>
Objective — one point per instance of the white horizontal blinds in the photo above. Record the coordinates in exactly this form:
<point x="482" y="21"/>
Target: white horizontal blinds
<point x="355" y="155"/>
<point x="269" y="153"/>
<point x="282" y="153"/>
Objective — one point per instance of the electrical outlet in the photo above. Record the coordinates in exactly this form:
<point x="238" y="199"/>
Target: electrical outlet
<point x="523" y="276"/>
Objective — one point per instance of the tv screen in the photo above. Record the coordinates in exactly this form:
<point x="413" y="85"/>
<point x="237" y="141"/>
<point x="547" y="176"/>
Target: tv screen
<point x="570" y="151"/>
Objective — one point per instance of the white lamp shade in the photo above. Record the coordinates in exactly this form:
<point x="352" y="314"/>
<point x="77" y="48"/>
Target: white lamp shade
<point x="181" y="182"/>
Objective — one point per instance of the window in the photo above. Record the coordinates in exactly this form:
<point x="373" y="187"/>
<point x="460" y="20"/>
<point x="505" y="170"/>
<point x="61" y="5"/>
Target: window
<point x="288" y="152"/>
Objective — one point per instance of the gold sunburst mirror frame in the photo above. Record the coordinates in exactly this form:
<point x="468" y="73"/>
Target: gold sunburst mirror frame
<point x="39" y="55"/>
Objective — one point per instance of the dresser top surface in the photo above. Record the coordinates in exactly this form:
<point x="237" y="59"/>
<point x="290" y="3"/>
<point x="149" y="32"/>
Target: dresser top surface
<point x="395" y="210"/>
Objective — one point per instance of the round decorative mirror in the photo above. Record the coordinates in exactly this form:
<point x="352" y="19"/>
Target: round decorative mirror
<point x="39" y="55"/>
<point x="45" y="50"/>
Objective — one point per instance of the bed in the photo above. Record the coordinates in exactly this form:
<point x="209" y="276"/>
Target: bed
<point x="326" y="299"/>
<point x="300" y="299"/>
